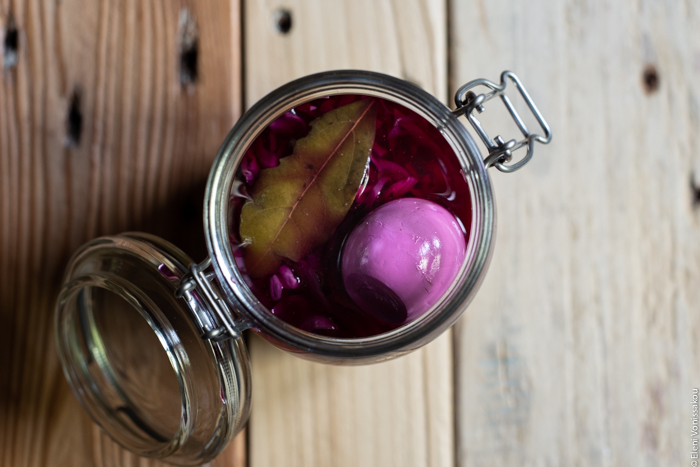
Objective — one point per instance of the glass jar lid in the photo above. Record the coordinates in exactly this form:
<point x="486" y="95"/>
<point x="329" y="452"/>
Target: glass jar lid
<point x="133" y="352"/>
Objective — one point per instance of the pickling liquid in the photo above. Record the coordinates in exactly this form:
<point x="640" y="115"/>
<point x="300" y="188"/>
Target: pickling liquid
<point x="409" y="159"/>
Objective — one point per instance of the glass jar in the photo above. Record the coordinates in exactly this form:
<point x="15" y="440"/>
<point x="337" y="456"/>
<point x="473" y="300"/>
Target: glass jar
<point x="151" y="341"/>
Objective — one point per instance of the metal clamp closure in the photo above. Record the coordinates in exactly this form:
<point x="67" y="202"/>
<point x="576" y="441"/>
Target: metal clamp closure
<point x="501" y="152"/>
<point x="199" y="282"/>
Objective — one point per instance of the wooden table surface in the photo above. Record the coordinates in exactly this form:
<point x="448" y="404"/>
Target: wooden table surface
<point x="582" y="347"/>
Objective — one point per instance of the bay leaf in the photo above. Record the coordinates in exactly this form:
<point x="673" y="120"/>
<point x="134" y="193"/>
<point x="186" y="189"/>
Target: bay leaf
<point x="296" y="206"/>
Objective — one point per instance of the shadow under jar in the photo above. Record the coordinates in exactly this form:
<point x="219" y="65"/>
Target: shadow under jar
<point x="151" y="341"/>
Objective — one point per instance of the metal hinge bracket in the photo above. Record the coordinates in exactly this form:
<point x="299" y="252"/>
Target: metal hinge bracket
<point x="223" y="325"/>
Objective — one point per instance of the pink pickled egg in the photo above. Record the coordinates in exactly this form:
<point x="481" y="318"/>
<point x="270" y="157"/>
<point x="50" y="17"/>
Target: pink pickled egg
<point x="401" y="259"/>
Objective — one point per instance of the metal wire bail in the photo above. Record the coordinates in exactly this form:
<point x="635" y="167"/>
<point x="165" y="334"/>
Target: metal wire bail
<point x="500" y="151"/>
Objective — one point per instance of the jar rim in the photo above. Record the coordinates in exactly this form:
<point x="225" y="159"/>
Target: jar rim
<point x="216" y="224"/>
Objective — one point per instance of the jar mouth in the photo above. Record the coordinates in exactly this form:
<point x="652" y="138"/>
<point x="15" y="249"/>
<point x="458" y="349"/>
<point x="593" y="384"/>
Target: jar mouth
<point x="408" y="336"/>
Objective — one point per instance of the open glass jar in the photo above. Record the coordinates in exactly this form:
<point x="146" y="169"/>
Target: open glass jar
<point x="151" y="342"/>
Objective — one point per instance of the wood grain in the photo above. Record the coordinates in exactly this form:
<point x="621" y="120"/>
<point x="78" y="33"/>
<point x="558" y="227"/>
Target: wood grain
<point x="145" y="146"/>
<point x="582" y="346"/>
<point x="398" y="413"/>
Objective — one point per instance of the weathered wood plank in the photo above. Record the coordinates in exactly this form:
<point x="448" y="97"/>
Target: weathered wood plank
<point x="397" y="413"/>
<point x="97" y="136"/>
<point x="582" y="347"/>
